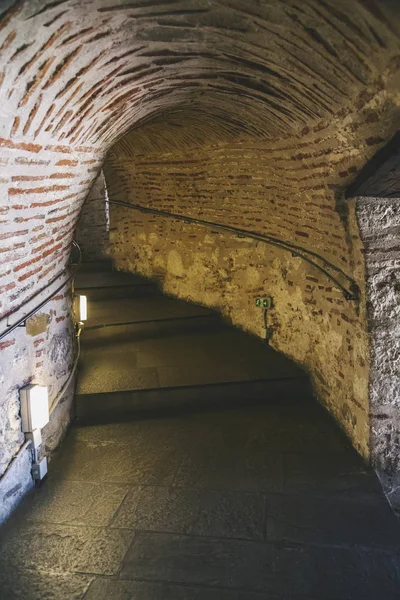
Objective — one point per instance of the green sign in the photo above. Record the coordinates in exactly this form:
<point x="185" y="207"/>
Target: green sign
<point x="264" y="302"/>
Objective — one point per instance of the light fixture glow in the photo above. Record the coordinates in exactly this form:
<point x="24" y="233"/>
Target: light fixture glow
<point x="34" y="407"/>
<point x="82" y="308"/>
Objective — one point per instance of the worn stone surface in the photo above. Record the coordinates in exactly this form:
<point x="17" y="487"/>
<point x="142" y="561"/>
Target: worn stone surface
<point x="28" y="585"/>
<point x="78" y="502"/>
<point x="155" y="536"/>
<point x="281" y="570"/>
<point x="174" y="344"/>
<point x="76" y="76"/>
<point x="194" y="511"/>
<point x="135" y="590"/>
<point x="64" y="548"/>
<point x="311" y="321"/>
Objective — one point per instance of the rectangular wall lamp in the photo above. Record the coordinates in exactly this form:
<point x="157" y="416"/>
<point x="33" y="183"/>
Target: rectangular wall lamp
<point x="34" y="407"/>
<point x="81" y="307"/>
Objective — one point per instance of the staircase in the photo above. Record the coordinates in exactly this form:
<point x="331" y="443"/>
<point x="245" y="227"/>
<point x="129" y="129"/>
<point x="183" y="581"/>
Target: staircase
<point x="143" y="351"/>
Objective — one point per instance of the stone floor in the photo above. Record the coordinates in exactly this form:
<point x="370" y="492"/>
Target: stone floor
<point x="256" y="503"/>
<point x="189" y="350"/>
<point x="145" y="350"/>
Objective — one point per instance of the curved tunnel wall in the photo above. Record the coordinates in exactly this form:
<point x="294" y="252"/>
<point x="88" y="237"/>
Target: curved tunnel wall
<point x="76" y="76"/>
<point x="286" y="191"/>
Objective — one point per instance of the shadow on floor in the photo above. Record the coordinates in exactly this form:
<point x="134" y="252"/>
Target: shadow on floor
<point x="263" y="500"/>
<point x="250" y="503"/>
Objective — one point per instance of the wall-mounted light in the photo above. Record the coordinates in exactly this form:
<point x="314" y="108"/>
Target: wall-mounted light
<point x="81" y="308"/>
<point x="34" y="407"/>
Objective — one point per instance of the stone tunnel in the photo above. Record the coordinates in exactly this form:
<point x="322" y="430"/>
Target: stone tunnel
<point x="228" y="151"/>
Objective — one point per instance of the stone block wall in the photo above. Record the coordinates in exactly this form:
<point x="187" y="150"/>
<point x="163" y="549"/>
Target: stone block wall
<point x="379" y="223"/>
<point x="311" y="321"/>
<point x="292" y="190"/>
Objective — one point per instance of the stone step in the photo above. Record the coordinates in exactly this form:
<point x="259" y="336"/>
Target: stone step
<point x="96" y="266"/>
<point x="105" y="284"/>
<point x="149" y="328"/>
<point x="116" y="406"/>
<point x="118" y="291"/>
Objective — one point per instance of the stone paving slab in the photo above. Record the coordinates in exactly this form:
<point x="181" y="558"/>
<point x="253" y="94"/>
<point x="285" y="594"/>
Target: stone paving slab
<point x="266" y="427"/>
<point x="117" y="463"/>
<point x="123" y="310"/>
<point x="114" y="373"/>
<point x="19" y="584"/>
<point x="328" y="473"/>
<point x="333" y="521"/>
<point x="230" y="468"/>
<point x="201" y="512"/>
<point x="138" y="590"/>
<point x="64" y="548"/>
<point x="78" y="502"/>
<point x="329" y="573"/>
<point x="188" y="358"/>
<point x="205" y="506"/>
<point x="86" y="279"/>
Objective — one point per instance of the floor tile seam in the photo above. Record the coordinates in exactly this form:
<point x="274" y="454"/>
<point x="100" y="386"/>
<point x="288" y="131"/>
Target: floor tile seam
<point x="265" y="497"/>
<point x="179" y="319"/>
<point x="117" y="511"/>
<point x="266" y="513"/>
<point x="84" y="593"/>
<point x="118" y="441"/>
<point x="355" y="498"/>
<point x="114" y="284"/>
<point x="269" y="541"/>
<point x="382" y="549"/>
<point x="131" y="486"/>
<point x="53" y="572"/>
<point x="31" y="524"/>
<point x="131" y="545"/>
<point x="206" y="385"/>
<point x="265" y="518"/>
<point x="193" y="488"/>
<point x="263" y="595"/>
<point x="58" y="476"/>
<point x="201" y="586"/>
<point x="178" y="467"/>
<point x="278" y="544"/>
<point x="199" y="536"/>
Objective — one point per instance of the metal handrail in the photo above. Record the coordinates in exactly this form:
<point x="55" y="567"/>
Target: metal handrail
<point x="22" y="319"/>
<point x="350" y="293"/>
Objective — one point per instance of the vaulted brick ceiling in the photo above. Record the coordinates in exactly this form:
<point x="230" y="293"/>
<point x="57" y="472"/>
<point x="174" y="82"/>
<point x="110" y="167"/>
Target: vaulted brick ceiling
<point x="87" y="72"/>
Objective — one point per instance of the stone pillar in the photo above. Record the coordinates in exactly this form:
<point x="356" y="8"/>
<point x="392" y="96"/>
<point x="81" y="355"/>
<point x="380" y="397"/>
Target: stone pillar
<point x="379" y="223"/>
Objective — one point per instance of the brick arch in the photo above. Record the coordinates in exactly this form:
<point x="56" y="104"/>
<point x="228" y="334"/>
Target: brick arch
<point x="311" y="85"/>
<point x="78" y="75"/>
<point x="76" y="71"/>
